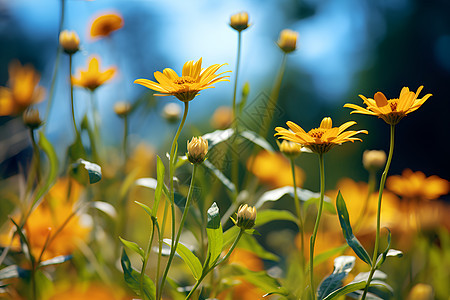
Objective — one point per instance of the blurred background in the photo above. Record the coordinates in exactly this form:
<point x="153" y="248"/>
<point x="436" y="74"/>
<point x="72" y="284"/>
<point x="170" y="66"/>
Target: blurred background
<point x="345" y="48"/>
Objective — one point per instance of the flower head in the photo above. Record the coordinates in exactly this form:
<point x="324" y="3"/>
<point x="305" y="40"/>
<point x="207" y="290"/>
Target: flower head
<point x="288" y="40"/>
<point x="92" y="78"/>
<point x="31" y="118"/>
<point x="290" y="149"/>
<point x="122" y="108"/>
<point x="374" y="159"/>
<point x="197" y="149"/>
<point x="421" y="291"/>
<point x="239" y="21"/>
<point x="322" y="139"/>
<point x="171" y="112"/>
<point x="393" y="110"/>
<point x="105" y="24"/>
<point x="22" y="91"/>
<point x="415" y="185"/>
<point x="69" y="41"/>
<point x="189" y="84"/>
<point x="246" y="216"/>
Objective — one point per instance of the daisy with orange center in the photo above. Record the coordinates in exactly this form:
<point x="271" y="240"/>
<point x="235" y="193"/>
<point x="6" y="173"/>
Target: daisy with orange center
<point x="105" y="24"/>
<point x="22" y="91"/>
<point x="189" y="84"/>
<point x="393" y="110"/>
<point x="319" y="140"/>
<point x="92" y="78"/>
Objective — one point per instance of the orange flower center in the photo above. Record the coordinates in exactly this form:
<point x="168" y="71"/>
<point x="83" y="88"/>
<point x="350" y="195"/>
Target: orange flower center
<point x="316" y="132"/>
<point x="393" y="104"/>
<point x="184" y="80"/>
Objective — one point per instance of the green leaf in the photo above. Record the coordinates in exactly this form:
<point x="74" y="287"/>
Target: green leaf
<point x="215" y="234"/>
<point x="230" y="235"/>
<point x="53" y="162"/>
<point x="342" y="266"/>
<point x="269" y="215"/>
<point x="82" y="166"/>
<point x="249" y="243"/>
<point x="92" y="137"/>
<point x="147" y="209"/>
<point x="105" y="207"/>
<point x="218" y="137"/>
<point x="259" y="279"/>
<point x="55" y="260"/>
<point x="132" y="278"/>
<point x="14" y="271"/>
<point x="327" y="205"/>
<point x="256" y="139"/>
<point x="352" y="241"/>
<point x="133" y="246"/>
<point x="219" y="175"/>
<point x="76" y="150"/>
<point x="321" y="257"/>
<point x="276" y="194"/>
<point x="23" y="241"/>
<point x="189" y="258"/>
<point x="160" y="170"/>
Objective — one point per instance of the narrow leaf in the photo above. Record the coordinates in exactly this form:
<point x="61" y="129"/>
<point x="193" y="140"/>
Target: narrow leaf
<point x="160" y="170"/>
<point x="53" y="162"/>
<point x="133" y="246"/>
<point x="218" y="136"/>
<point x="276" y="194"/>
<point x="94" y="171"/>
<point x="256" y="139"/>
<point x="215" y="234"/>
<point x="342" y="266"/>
<point x="189" y="258"/>
<point x="55" y="260"/>
<point x="219" y="175"/>
<point x="352" y="241"/>
<point x="269" y="215"/>
<point x="147" y="209"/>
<point x="13" y="271"/>
<point x="132" y="278"/>
<point x="105" y="207"/>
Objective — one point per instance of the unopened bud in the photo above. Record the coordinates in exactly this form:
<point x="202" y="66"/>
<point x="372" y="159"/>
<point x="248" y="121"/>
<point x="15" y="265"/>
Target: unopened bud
<point x="31" y="118"/>
<point x="290" y="149"/>
<point x="122" y="108"/>
<point x="70" y="41"/>
<point x="373" y="160"/>
<point x="239" y="21"/>
<point x="246" y="216"/>
<point x="197" y="149"/>
<point x="288" y="40"/>
<point x="421" y="291"/>
<point x="171" y="112"/>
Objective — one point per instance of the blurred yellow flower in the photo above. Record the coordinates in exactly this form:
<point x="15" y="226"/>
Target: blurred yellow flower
<point x="88" y="291"/>
<point x="239" y="21"/>
<point x="264" y="165"/>
<point x="69" y="41"/>
<point x="105" y="24"/>
<point x="290" y="149"/>
<point x="415" y="185"/>
<point x="421" y="291"/>
<point x="22" y="90"/>
<point x="142" y="161"/>
<point x="92" y="78"/>
<point x="322" y="139"/>
<point x="222" y="117"/>
<point x="393" y="110"/>
<point x="192" y="81"/>
<point x="288" y="40"/>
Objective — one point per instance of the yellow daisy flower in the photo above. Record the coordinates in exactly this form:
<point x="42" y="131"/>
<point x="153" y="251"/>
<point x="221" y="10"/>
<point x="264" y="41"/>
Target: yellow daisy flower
<point x="393" y="110"/>
<point x="105" y="24"/>
<point x="92" y="78"/>
<point x="185" y="88"/>
<point x="319" y="140"/>
<point x="22" y="91"/>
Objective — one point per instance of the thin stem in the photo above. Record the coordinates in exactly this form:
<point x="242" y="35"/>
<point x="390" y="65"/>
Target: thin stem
<point x="299" y="215"/>
<point x="380" y="194"/>
<point x="316" y="227"/>
<point x="161" y="237"/>
<point x="234" y="150"/>
<point x="71" y="96"/>
<point x="147" y="255"/>
<point x="36" y="155"/>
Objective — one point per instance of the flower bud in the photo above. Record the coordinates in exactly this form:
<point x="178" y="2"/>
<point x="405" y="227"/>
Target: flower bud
<point x="31" y="118"/>
<point x="197" y="149"/>
<point x="373" y="160"/>
<point x="290" y="149"/>
<point x="122" y="108"/>
<point x="421" y="291"/>
<point x="70" y="41"/>
<point x="246" y="216"/>
<point x="171" y="112"/>
<point x="222" y="117"/>
<point x="288" y="40"/>
<point x="239" y="21"/>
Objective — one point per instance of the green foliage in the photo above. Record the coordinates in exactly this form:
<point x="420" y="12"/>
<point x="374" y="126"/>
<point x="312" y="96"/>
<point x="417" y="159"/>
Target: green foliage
<point x="342" y="266"/>
<point x="48" y="149"/>
<point x="215" y="234"/>
<point x="85" y="171"/>
<point x="160" y="170"/>
<point x="189" y="258"/>
<point x="132" y="278"/>
<point x="133" y="246"/>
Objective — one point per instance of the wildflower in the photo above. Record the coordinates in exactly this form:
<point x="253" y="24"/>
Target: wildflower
<point x="415" y="185"/>
<point x="421" y="291"/>
<point x="222" y="117"/>
<point x="185" y="88"/>
<point x="290" y="149"/>
<point x="393" y="110"/>
<point x="171" y="112"/>
<point x="92" y="78"/>
<point x="265" y="162"/>
<point x="105" y="24"/>
<point x="69" y="41"/>
<point x="22" y="91"/>
<point x="239" y="21"/>
<point x="197" y="149"/>
<point x="319" y="140"/>
<point x="122" y="108"/>
<point x="288" y="40"/>
<point x="31" y="118"/>
<point x="246" y="216"/>
<point x="374" y="159"/>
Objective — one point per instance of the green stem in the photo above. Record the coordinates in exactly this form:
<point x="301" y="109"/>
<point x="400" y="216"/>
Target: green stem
<point x="316" y="227"/>
<point x="235" y="162"/>
<point x="161" y="237"/>
<point x="238" y="237"/>
<point x="299" y="216"/>
<point x="380" y="194"/>
<point x="147" y="255"/>
<point x="71" y="96"/>
<point x="37" y="160"/>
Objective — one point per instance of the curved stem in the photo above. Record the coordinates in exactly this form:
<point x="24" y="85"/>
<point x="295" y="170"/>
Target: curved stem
<point x="380" y="194"/>
<point x="235" y="165"/>
<point x="37" y="160"/>
<point x="316" y="227"/>
<point x="299" y="216"/>
<point x="71" y="96"/>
